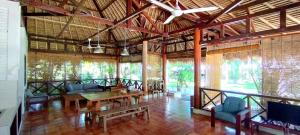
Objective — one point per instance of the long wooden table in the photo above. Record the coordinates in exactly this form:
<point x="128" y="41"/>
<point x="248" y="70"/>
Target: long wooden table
<point x="98" y="97"/>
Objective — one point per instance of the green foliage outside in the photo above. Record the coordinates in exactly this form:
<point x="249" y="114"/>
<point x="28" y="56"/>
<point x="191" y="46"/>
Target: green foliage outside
<point x="131" y="71"/>
<point x="180" y="75"/>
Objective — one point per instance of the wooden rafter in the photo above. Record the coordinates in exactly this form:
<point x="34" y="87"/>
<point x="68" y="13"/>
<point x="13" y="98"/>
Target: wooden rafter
<point x="218" y="5"/>
<point x="232" y="15"/>
<point x="257" y="14"/>
<point x="113" y="24"/>
<point x="129" y="11"/>
<point x="119" y="22"/>
<point x="245" y="6"/>
<point x="106" y="6"/>
<point x="199" y="14"/>
<point x="156" y="21"/>
<point x="101" y="15"/>
<point x="145" y="14"/>
<point x="251" y="22"/>
<point x="265" y="21"/>
<point x="75" y="11"/>
<point x="127" y="17"/>
<point x="287" y="15"/>
<point x="41" y="14"/>
<point x="225" y="10"/>
<point x="63" y="3"/>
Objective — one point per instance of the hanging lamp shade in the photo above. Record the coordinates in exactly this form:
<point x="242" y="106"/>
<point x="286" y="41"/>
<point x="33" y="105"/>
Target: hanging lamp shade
<point x="89" y="45"/>
<point x="98" y="49"/>
<point x="125" y="52"/>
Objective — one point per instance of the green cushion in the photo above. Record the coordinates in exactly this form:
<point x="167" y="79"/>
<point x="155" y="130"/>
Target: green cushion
<point x="233" y="105"/>
<point x="226" y="116"/>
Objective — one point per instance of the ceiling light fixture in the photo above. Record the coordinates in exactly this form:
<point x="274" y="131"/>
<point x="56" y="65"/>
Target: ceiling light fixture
<point x="125" y="51"/>
<point x="98" y="48"/>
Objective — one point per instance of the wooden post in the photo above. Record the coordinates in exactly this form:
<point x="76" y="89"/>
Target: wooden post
<point x="222" y="31"/>
<point x="129" y="9"/>
<point x="118" y="64"/>
<point x="282" y="19"/>
<point x="164" y="60"/>
<point x="145" y="63"/>
<point x="197" y="61"/>
<point x="248" y="25"/>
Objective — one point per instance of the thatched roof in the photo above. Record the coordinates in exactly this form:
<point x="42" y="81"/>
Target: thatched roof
<point x="49" y="23"/>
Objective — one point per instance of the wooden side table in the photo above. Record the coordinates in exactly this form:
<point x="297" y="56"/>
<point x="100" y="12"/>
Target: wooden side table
<point x="258" y="121"/>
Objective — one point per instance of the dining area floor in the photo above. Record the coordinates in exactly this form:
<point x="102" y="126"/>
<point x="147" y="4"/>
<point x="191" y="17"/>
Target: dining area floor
<point x="168" y="116"/>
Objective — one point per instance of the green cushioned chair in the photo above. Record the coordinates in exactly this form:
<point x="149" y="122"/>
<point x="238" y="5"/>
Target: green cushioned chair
<point x="233" y="110"/>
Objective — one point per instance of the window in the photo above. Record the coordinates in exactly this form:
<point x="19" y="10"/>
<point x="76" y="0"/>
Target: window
<point x="131" y="71"/>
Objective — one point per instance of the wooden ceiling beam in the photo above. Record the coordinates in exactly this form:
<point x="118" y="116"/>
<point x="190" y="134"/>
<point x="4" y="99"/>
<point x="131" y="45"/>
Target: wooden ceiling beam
<point x="156" y="21"/>
<point x="75" y="11"/>
<point x="232" y="15"/>
<point x="44" y="38"/>
<point x="245" y="6"/>
<point x="120" y="23"/>
<point x="71" y="4"/>
<point x="294" y="19"/>
<point x="41" y="14"/>
<point x="260" y="13"/>
<point x="129" y="11"/>
<point x="145" y="14"/>
<point x="251" y="21"/>
<point x="106" y="6"/>
<point x="63" y="3"/>
<point x="225" y="10"/>
<point x="110" y="33"/>
<point x="256" y="34"/>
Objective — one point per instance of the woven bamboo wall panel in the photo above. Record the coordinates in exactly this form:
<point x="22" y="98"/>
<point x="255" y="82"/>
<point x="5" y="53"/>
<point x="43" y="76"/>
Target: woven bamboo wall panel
<point x="49" y="66"/>
<point x="281" y="70"/>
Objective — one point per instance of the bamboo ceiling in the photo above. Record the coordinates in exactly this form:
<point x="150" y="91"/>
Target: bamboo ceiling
<point x="43" y="22"/>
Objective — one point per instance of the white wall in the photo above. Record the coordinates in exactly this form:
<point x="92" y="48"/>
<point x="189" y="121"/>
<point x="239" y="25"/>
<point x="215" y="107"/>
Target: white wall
<point x="12" y="87"/>
<point x="23" y="54"/>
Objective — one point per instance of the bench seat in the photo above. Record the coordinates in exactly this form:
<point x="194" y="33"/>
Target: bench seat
<point x="122" y="112"/>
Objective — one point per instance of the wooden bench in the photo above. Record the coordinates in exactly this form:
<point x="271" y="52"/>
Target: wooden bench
<point x="122" y="112"/>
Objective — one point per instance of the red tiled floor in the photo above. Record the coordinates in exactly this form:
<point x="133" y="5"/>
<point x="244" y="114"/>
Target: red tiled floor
<point x="169" y="116"/>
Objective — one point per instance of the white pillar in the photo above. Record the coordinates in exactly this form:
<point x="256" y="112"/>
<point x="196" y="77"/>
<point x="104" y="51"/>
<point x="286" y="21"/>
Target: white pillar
<point x="145" y="63"/>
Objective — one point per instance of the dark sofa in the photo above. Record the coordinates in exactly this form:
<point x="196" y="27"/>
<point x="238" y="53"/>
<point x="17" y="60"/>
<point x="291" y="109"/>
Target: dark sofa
<point x="78" y="88"/>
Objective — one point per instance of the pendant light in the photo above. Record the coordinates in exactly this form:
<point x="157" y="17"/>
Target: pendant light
<point x="89" y="45"/>
<point x="125" y="51"/>
<point x="98" y="48"/>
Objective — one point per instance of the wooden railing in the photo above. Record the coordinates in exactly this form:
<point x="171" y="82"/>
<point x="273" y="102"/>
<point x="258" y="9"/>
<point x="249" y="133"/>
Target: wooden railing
<point x="56" y="88"/>
<point x="257" y="102"/>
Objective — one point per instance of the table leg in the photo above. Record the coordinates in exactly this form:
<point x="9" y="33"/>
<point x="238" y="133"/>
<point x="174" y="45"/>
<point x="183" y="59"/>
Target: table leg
<point x="67" y="103"/>
<point x="89" y="104"/>
<point x="94" y="114"/>
<point x="141" y="98"/>
<point x="98" y="106"/>
<point x="251" y="128"/>
<point x="89" y="107"/>
<point x="129" y="100"/>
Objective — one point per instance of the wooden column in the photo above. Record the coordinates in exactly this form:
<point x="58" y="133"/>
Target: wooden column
<point x="164" y="60"/>
<point x="118" y="62"/>
<point x="129" y="9"/>
<point x="145" y="63"/>
<point x="197" y="62"/>
<point x="282" y="19"/>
